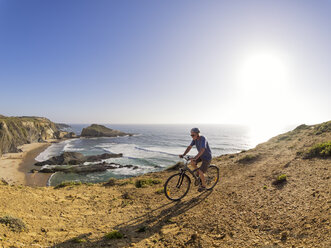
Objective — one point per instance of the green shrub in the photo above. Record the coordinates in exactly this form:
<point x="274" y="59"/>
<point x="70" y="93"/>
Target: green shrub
<point x="175" y="166"/>
<point x="284" y="137"/>
<point x="111" y="182"/>
<point x="248" y="158"/>
<point x="321" y="150"/>
<point x="78" y="240"/>
<point x="127" y="196"/>
<point x="301" y="127"/>
<point x="281" y="179"/>
<point x="324" y="127"/>
<point x="159" y="191"/>
<point x="124" y="182"/>
<point x="142" y="229"/>
<point x="67" y="183"/>
<point x="143" y="183"/>
<point x="114" y="235"/>
<point x="15" y="224"/>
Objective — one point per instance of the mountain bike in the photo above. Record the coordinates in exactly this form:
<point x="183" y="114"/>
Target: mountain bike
<point x="178" y="185"/>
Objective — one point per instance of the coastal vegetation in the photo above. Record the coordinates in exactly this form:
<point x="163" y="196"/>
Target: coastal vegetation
<point x="321" y="150"/>
<point x="145" y="182"/>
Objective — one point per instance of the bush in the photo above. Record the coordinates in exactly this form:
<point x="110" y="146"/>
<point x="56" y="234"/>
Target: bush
<point x="175" y="167"/>
<point x="15" y="224"/>
<point x="79" y="240"/>
<point x="111" y="182"/>
<point x="159" y="191"/>
<point x="324" y="127"/>
<point x="321" y="150"/>
<point x="124" y="182"/>
<point x="248" y="158"/>
<point x="281" y="179"/>
<point x="114" y="235"/>
<point x="142" y="229"/>
<point x="301" y="127"/>
<point x="127" y="196"/>
<point x="143" y="183"/>
<point x="67" y="183"/>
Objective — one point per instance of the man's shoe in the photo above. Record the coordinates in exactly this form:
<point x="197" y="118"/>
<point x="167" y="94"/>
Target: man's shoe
<point x="197" y="182"/>
<point x="201" y="189"/>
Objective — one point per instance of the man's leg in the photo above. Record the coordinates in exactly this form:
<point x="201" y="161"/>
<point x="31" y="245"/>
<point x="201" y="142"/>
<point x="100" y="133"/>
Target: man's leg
<point x="194" y="164"/>
<point x="202" y="170"/>
<point x="202" y="177"/>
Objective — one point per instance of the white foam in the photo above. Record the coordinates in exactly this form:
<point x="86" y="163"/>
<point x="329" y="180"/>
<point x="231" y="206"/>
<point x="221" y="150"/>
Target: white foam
<point x="53" y="150"/>
<point x="130" y="171"/>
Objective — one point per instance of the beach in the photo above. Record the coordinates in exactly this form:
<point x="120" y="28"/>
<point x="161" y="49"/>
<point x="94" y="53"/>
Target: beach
<point x="15" y="167"/>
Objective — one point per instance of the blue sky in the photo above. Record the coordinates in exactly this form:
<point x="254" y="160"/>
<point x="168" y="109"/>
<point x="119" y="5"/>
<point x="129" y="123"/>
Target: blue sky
<point x="152" y="61"/>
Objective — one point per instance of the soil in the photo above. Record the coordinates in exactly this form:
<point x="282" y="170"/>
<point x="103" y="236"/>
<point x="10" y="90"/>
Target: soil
<point x="246" y="209"/>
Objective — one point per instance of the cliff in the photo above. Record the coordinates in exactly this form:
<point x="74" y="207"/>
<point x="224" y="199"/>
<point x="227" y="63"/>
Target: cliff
<point x="101" y="131"/>
<point x="16" y="131"/>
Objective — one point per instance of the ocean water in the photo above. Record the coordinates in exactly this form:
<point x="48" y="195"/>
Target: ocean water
<point x="151" y="148"/>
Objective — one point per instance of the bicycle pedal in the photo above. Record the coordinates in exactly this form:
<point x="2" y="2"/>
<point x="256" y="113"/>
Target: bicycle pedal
<point x="197" y="182"/>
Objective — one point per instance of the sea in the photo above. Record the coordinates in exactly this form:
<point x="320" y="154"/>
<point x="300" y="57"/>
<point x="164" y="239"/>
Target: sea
<point x="152" y="148"/>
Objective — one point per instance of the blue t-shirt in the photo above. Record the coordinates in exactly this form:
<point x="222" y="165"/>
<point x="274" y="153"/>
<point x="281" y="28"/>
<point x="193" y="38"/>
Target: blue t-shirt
<point x="202" y="143"/>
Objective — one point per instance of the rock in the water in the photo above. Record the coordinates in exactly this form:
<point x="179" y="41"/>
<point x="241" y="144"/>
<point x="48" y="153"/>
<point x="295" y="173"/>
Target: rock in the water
<point x="101" y="131"/>
<point x="102" y="156"/>
<point x="66" y="158"/>
<point x="75" y="158"/>
<point x="84" y="168"/>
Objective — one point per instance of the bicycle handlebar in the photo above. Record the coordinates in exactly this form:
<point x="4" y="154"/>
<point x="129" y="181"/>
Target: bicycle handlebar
<point x="188" y="158"/>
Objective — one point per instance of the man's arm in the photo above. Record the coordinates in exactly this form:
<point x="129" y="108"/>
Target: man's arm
<point x="199" y="154"/>
<point x="188" y="149"/>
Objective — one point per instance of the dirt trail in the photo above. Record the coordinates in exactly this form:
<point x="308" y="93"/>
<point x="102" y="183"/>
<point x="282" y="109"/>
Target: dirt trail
<point x="244" y="210"/>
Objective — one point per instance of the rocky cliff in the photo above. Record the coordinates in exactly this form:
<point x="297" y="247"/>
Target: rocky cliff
<point x="16" y="131"/>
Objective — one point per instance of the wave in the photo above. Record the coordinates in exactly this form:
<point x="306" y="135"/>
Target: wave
<point x="53" y="150"/>
<point x="155" y="151"/>
<point x="49" y="180"/>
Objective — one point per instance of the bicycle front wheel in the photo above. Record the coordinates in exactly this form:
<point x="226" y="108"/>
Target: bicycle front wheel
<point x="177" y="186"/>
<point x="212" y="177"/>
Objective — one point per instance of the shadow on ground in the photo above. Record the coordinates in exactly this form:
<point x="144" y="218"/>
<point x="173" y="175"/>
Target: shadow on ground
<point x="141" y="227"/>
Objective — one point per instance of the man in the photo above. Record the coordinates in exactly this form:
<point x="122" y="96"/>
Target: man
<point x="204" y="155"/>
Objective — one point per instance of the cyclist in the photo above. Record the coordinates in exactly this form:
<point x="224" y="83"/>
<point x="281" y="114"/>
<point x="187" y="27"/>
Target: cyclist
<point x="204" y="155"/>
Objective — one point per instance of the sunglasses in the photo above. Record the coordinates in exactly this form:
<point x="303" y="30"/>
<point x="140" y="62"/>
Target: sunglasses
<point x="193" y="135"/>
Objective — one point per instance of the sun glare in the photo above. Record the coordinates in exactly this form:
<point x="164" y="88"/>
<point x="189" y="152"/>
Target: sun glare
<point x="263" y="86"/>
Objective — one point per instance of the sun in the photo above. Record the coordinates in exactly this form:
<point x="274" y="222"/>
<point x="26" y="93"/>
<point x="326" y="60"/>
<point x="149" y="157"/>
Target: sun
<point x="262" y="73"/>
<point x="263" y="93"/>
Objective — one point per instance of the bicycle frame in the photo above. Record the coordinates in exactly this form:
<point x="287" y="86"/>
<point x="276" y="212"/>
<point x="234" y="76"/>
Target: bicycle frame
<point x="186" y="168"/>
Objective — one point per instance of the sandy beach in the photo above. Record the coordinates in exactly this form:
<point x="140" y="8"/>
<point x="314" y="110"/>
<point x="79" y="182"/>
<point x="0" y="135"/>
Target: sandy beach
<point x="15" y="167"/>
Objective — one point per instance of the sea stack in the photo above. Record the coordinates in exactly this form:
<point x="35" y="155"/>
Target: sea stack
<point x="96" y="130"/>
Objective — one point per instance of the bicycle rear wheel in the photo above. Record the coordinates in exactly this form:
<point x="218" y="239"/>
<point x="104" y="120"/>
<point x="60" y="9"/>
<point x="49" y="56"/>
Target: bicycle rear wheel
<point x="177" y="186"/>
<point x="212" y="177"/>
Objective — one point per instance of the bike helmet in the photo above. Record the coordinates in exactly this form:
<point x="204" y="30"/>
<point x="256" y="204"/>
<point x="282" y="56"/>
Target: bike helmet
<point x="195" y="130"/>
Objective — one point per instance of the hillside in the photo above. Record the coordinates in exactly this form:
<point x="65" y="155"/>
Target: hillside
<point x="250" y="207"/>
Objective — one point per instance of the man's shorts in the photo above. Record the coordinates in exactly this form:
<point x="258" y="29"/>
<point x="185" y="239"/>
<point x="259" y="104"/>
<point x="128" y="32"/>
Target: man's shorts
<point x="205" y="164"/>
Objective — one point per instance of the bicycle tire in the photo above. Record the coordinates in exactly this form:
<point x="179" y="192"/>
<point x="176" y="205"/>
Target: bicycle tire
<point x="168" y="191"/>
<point x="214" y="171"/>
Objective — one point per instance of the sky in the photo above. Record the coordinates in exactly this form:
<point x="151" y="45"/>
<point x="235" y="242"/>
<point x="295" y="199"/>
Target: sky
<point x="234" y="62"/>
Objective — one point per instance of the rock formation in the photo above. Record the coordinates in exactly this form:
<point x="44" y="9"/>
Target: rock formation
<point x="76" y="158"/>
<point x="101" y="131"/>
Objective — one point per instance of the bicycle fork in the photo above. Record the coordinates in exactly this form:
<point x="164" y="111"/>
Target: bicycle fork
<point x="180" y="180"/>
